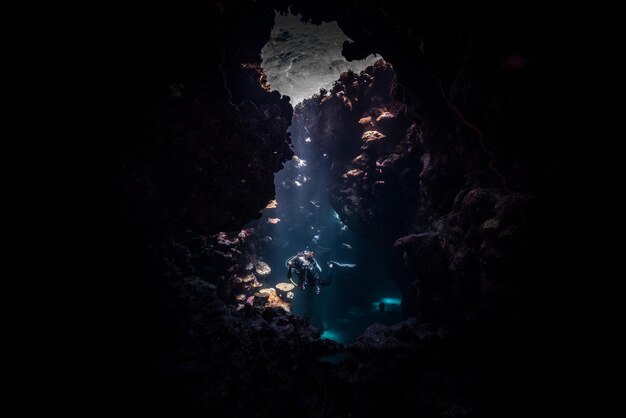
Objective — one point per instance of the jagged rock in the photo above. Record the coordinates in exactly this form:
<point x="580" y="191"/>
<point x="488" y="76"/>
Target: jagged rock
<point x="424" y="254"/>
<point x="359" y="126"/>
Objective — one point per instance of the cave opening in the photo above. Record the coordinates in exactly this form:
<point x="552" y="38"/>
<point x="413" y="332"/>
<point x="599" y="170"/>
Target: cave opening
<point x="305" y="62"/>
<point x="512" y="302"/>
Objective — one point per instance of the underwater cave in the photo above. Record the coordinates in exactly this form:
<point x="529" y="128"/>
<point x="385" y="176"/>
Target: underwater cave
<point x="434" y="158"/>
<point x="304" y="61"/>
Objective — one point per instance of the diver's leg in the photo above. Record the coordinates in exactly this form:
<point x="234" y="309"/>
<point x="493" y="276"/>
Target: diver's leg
<point x="317" y="280"/>
<point x="329" y="278"/>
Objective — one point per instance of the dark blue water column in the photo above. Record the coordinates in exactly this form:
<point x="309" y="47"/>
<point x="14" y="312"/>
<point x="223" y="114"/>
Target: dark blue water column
<point x="305" y="220"/>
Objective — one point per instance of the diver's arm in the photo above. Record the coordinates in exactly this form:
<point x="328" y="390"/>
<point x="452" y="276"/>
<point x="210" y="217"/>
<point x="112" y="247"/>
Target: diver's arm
<point x="317" y="266"/>
<point x="289" y="272"/>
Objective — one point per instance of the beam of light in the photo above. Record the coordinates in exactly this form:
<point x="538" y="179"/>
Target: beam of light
<point x="299" y="162"/>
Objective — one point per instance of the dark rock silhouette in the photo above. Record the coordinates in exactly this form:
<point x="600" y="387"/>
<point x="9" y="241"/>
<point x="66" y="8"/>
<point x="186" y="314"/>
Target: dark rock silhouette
<point x="481" y="150"/>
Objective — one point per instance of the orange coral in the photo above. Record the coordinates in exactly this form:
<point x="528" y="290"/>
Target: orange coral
<point x="353" y="173"/>
<point x="370" y="136"/>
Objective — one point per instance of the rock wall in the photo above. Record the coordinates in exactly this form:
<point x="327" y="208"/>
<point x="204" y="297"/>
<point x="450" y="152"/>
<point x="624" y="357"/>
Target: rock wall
<point x="495" y="140"/>
<point x="185" y="147"/>
<point x="360" y="134"/>
<point x="497" y="229"/>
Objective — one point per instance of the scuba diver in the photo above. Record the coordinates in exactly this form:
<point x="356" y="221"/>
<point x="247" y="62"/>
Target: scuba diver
<point x="306" y="268"/>
<point x="309" y="272"/>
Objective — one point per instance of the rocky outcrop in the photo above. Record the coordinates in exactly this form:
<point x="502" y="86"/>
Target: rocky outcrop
<point x="245" y="359"/>
<point x="372" y="150"/>
<point x="501" y="234"/>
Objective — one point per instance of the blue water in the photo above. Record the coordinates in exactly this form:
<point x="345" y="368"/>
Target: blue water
<point x="333" y="335"/>
<point x="351" y="303"/>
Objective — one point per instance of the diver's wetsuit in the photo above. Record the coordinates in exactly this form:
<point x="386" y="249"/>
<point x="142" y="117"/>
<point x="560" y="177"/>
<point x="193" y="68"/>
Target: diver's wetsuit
<point x="308" y="271"/>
